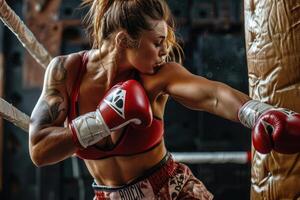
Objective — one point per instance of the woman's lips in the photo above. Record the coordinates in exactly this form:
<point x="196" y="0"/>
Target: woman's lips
<point x="159" y="63"/>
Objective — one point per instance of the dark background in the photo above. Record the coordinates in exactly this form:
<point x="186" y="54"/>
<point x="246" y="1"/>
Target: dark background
<point x="212" y="33"/>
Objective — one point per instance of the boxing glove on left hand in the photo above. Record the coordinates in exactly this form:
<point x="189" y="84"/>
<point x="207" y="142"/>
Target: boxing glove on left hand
<point x="124" y="103"/>
<point x="272" y="128"/>
<point x="278" y="130"/>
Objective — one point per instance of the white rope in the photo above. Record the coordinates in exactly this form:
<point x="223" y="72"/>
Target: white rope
<point x="212" y="157"/>
<point x="25" y="36"/>
<point x="15" y="116"/>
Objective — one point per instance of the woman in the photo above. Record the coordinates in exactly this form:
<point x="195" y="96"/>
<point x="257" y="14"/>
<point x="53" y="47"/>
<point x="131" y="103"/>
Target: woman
<point x="132" y="40"/>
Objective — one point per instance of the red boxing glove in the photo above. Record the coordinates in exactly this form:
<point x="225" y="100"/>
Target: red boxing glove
<point x="279" y="130"/>
<point x="124" y="103"/>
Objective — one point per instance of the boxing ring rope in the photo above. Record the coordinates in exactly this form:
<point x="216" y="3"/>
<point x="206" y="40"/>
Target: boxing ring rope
<point x="15" y="116"/>
<point x="237" y="157"/>
<point x="42" y="56"/>
<point x="25" y="36"/>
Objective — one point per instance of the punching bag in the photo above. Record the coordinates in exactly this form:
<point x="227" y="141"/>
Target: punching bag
<point x="272" y="36"/>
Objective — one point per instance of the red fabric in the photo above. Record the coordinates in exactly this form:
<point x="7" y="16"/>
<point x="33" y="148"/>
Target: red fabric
<point x="162" y="176"/>
<point x="169" y="180"/>
<point x="134" y="140"/>
<point x="153" y="180"/>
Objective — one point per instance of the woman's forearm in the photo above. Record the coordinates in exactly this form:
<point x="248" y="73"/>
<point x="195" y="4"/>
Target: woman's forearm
<point x="51" y="145"/>
<point x="228" y="101"/>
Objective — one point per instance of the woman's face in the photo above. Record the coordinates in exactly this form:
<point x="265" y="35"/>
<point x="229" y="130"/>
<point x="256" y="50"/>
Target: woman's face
<point x="151" y="51"/>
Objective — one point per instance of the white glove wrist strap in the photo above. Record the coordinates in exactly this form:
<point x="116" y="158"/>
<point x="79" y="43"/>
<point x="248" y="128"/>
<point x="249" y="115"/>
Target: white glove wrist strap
<point x="250" y="112"/>
<point x="90" y="128"/>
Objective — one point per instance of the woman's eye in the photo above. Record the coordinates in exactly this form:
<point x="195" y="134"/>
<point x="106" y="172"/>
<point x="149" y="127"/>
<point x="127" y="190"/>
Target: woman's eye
<point x="157" y="44"/>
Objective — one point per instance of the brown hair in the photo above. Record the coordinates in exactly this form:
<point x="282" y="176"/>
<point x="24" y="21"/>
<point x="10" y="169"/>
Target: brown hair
<point x="107" y="16"/>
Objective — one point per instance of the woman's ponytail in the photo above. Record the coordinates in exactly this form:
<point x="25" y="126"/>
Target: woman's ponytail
<point x="94" y="18"/>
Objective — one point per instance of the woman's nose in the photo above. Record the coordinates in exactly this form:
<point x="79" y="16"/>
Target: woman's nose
<point x="163" y="51"/>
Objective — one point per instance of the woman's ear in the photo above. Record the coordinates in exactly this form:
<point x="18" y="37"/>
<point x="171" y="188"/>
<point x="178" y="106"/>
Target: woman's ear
<point x="121" y="39"/>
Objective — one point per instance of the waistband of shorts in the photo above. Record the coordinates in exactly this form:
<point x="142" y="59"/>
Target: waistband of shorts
<point x="157" y="176"/>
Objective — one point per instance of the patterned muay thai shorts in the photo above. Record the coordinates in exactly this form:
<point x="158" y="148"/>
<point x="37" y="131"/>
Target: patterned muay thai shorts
<point x="167" y="180"/>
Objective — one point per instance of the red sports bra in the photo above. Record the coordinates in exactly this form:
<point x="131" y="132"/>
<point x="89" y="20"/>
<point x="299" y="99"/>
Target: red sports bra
<point x="132" y="141"/>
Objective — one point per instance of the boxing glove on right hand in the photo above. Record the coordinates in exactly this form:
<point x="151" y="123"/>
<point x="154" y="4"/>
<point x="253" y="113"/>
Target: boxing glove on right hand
<point x="124" y="103"/>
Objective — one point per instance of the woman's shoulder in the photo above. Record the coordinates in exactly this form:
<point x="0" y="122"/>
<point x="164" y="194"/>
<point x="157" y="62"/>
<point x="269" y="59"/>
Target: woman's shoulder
<point x="68" y="61"/>
<point x="65" y="67"/>
<point x="74" y="60"/>
<point x="171" y="68"/>
<point x="164" y="71"/>
<point x="161" y="76"/>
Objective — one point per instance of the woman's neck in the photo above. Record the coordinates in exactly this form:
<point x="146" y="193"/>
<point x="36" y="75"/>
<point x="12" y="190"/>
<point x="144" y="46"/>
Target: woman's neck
<point x="107" y="63"/>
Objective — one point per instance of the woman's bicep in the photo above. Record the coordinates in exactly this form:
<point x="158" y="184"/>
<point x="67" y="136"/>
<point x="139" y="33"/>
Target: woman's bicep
<point x="193" y="91"/>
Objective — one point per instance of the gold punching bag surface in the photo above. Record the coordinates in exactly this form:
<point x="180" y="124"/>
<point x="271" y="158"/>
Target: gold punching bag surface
<point x="272" y="36"/>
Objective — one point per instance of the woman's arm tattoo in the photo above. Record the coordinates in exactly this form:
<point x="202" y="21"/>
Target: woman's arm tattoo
<point x="50" y="107"/>
<point x="48" y="113"/>
<point x="58" y="73"/>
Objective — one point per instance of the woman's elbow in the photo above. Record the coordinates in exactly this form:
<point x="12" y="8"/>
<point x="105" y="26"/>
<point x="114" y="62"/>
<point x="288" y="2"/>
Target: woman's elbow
<point x="35" y="151"/>
<point x="37" y="157"/>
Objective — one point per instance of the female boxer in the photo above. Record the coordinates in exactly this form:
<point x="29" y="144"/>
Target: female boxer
<point x="113" y="97"/>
